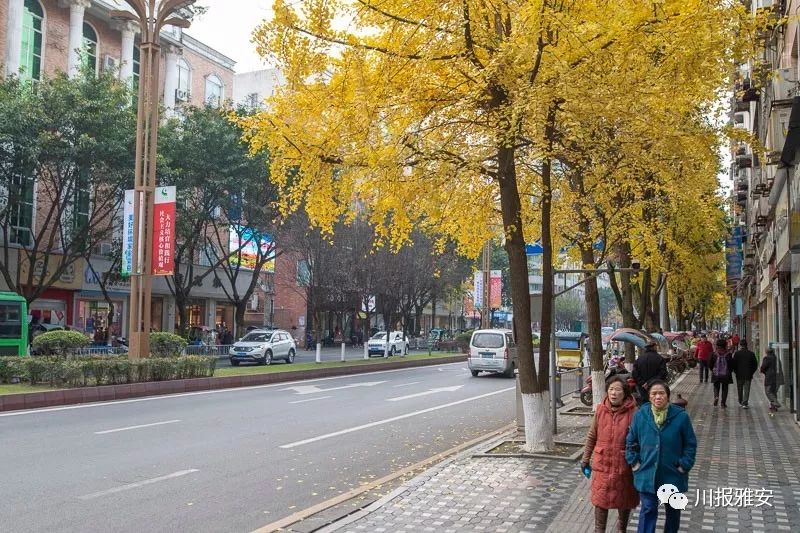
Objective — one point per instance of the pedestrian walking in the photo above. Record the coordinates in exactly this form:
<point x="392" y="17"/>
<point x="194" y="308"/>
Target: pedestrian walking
<point x="660" y="447"/>
<point x="769" y="367"/>
<point x="702" y="352"/>
<point x="649" y="366"/>
<point x="744" y="366"/>
<point x="604" y="456"/>
<point x="735" y="341"/>
<point x="721" y="371"/>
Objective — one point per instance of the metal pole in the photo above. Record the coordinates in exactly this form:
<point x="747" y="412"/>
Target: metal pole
<point x="342" y="351"/>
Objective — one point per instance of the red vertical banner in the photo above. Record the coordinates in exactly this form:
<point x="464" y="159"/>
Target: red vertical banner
<point x="164" y="231"/>
<point x="496" y="286"/>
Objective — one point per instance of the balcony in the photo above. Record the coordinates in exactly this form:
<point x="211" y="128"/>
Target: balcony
<point x="744" y="161"/>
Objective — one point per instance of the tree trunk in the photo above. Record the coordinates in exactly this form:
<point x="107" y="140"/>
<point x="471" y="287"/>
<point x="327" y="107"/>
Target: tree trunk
<point x="180" y="308"/>
<point x="679" y="315"/>
<point x="592" y="298"/>
<point x="538" y="430"/>
<point x="238" y="319"/>
<point x="624" y="294"/>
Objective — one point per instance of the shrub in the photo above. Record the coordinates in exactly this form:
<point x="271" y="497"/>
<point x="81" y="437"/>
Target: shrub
<point x="10" y="368"/>
<point x="60" y="342"/>
<point x="164" y="344"/>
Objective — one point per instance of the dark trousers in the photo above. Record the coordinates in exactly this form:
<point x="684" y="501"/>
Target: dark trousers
<point x="724" y="386"/>
<point x="704" y="370"/>
<point x="648" y="515"/>
<point x="743" y="389"/>
<point x="772" y="394"/>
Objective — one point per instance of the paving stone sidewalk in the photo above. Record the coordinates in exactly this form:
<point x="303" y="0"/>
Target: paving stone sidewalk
<point x="738" y="449"/>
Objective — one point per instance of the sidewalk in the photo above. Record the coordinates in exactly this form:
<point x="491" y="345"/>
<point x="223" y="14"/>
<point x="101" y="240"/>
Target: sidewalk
<point x="738" y="449"/>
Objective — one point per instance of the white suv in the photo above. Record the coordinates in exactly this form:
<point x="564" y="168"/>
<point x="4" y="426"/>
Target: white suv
<point x="263" y="346"/>
<point x="377" y="344"/>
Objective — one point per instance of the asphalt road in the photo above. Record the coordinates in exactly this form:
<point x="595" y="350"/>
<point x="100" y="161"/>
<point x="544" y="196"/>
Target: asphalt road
<point x="233" y="460"/>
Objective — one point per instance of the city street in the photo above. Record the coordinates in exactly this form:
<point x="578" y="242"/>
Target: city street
<point x="233" y="460"/>
<point x="328" y="354"/>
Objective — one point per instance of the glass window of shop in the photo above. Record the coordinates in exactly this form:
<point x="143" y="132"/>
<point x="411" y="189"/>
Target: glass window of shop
<point x="93" y="317"/>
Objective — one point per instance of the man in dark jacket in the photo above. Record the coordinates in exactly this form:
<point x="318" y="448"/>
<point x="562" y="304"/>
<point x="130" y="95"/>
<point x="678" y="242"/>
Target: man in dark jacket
<point x="769" y="367"/>
<point x="649" y="366"/>
<point x="721" y="371"/>
<point x="744" y="366"/>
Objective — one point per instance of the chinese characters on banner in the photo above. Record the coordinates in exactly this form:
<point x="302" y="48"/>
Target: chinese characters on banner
<point x="164" y="231"/>
<point x="495" y="288"/>
<point x="127" y="234"/>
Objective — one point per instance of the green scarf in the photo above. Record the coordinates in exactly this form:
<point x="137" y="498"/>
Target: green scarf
<point x="660" y="415"/>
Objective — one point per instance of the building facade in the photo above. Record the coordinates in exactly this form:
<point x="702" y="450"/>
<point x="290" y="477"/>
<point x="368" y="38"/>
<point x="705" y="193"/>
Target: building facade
<point x="40" y="38"/>
<point x="763" y="248"/>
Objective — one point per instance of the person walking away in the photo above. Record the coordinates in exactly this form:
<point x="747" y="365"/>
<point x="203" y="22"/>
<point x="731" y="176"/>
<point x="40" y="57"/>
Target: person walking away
<point x="703" y="354"/>
<point x="769" y="367"/>
<point x="721" y="371"/>
<point x="735" y="340"/>
<point x="604" y="456"/>
<point x="649" y="366"/>
<point x="661" y="448"/>
<point x="744" y="366"/>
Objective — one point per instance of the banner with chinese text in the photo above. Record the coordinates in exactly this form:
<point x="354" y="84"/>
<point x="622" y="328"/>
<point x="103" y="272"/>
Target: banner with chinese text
<point x="163" y="263"/>
<point x="127" y="234"/>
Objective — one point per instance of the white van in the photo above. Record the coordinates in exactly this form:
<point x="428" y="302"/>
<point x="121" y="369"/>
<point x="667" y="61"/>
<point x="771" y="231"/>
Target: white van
<point x="492" y="350"/>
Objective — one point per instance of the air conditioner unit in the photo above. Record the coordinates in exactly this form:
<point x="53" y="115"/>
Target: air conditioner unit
<point x="109" y="63"/>
<point x="216" y="212"/>
<point x="181" y="95"/>
<point x="254" y="303"/>
<point x="778" y="127"/>
<point x="784" y="84"/>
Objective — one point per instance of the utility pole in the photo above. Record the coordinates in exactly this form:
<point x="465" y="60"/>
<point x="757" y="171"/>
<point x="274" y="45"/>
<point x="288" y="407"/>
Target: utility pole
<point x="151" y="16"/>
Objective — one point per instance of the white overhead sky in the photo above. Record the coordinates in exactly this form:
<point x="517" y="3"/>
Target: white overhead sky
<point x="228" y="26"/>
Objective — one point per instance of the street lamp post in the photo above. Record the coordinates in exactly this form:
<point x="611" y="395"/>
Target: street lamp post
<point x="151" y="15"/>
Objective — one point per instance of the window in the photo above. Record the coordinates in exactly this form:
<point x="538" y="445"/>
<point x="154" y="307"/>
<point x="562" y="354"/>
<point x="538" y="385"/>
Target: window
<point x="89" y="55"/>
<point x="31" y="49"/>
<point x="213" y="91"/>
<point x="21" y="210"/>
<point x="137" y="59"/>
<point x="303" y="273"/>
<point x="184" y="80"/>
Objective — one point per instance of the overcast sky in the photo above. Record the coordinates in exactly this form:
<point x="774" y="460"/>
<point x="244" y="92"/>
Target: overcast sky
<point x="227" y="27"/>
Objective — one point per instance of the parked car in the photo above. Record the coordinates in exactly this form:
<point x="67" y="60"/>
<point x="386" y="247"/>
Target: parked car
<point x="377" y="344"/>
<point x="263" y="346"/>
<point x="492" y="350"/>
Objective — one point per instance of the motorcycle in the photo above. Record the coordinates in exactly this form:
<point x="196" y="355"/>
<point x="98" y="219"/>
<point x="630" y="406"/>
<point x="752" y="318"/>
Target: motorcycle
<point x="614" y="367"/>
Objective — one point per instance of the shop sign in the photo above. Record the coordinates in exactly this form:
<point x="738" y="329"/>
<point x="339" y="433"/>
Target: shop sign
<point x="163" y="263"/>
<point x="66" y="280"/>
<point x="114" y="282"/>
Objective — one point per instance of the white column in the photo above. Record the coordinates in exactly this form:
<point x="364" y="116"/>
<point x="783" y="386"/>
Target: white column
<point x="170" y="77"/>
<point x="76" y="11"/>
<point x="128" y="30"/>
<point x="16" y="8"/>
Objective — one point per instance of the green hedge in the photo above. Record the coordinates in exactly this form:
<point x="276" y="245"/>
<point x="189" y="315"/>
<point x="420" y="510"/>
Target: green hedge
<point x="103" y="370"/>
<point x="164" y="344"/>
<point x="60" y="342"/>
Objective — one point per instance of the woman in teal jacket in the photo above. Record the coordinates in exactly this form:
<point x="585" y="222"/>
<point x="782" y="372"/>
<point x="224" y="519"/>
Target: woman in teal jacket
<point x="660" y="448"/>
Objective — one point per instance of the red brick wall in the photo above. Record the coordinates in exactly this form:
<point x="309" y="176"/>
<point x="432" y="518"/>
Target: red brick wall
<point x="290" y="298"/>
<point x="202" y="67"/>
<point x="3" y="24"/>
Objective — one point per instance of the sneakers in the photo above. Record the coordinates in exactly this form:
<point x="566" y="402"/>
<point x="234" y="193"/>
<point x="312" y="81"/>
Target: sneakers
<point x="724" y="406"/>
<point x="745" y="406"/>
<point x="716" y="401"/>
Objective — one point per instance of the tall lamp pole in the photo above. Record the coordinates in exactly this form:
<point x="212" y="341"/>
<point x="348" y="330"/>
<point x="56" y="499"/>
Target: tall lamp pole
<point x="151" y="15"/>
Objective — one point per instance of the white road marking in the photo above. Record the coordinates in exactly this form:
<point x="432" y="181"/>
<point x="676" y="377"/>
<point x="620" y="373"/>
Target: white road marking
<point x="199" y="393"/>
<point x="136" y="427"/>
<point x="312" y="399"/>
<point x="406" y="384"/>
<point x="313" y="389"/>
<point x="425" y="393"/>
<point x="136" y="485"/>
<point x="393" y="419"/>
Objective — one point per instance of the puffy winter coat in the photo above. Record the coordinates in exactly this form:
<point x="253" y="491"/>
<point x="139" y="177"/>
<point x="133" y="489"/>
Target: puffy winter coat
<point x="659" y="451"/>
<point x="728" y="377"/>
<point x="612" y="479"/>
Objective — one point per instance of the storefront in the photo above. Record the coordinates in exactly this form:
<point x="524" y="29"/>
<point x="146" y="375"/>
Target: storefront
<point x="53" y="307"/>
<point x="55" y="304"/>
<point x="92" y="314"/>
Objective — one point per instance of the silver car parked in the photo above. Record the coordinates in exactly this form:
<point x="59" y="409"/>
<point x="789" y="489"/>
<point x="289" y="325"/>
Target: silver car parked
<point x="263" y="346"/>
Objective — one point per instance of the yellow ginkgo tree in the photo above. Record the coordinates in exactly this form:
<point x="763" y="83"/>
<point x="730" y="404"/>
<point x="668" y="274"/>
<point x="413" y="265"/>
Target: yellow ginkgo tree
<point x="444" y="115"/>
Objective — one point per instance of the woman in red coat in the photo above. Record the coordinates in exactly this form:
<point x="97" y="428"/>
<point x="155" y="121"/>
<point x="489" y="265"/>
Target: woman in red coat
<point x="612" y="479"/>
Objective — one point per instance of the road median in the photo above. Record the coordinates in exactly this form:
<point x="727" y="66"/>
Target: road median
<point x="225" y="379"/>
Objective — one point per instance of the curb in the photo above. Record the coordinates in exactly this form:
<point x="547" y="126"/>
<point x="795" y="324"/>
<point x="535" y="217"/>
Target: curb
<point x="35" y="400"/>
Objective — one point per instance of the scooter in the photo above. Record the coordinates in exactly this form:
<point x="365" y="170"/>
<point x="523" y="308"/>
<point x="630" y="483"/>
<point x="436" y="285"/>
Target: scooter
<point x="615" y="367"/>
